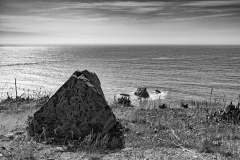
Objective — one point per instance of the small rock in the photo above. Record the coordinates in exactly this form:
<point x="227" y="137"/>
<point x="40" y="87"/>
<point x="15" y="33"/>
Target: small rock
<point x="1" y="155"/>
<point x="19" y="133"/>
<point x="139" y="133"/>
<point x="184" y="105"/>
<point x="163" y="106"/>
<point x="60" y="149"/>
<point x="10" y="136"/>
<point x="39" y="148"/>
<point x="126" y="130"/>
<point x="3" y="148"/>
<point x="127" y="149"/>
<point x="70" y="146"/>
<point x="190" y="127"/>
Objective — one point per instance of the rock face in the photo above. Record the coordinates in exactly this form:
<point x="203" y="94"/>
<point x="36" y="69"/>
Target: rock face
<point x="75" y="110"/>
<point x="142" y="92"/>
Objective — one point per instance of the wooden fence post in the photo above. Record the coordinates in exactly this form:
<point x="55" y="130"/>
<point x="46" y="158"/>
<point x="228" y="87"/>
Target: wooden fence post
<point x="16" y="87"/>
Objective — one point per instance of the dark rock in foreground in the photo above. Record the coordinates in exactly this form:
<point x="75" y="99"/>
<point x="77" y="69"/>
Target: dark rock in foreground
<point x="142" y="92"/>
<point x="77" y="109"/>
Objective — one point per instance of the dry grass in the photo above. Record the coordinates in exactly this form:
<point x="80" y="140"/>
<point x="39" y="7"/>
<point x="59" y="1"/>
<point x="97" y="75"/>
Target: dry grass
<point x="172" y="133"/>
<point x="181" y="128"/>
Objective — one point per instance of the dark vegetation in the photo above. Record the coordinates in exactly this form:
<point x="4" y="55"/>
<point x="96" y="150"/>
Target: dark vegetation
<point x="125" y="101"/>
<point x="229" y="115"/>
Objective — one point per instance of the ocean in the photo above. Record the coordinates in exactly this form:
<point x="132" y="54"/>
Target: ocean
<point x="179" y="72"/>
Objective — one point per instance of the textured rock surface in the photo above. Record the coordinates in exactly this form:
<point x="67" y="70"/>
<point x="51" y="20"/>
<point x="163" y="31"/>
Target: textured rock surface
<point x="76" y="109"/>
<point x="142" y="92"/>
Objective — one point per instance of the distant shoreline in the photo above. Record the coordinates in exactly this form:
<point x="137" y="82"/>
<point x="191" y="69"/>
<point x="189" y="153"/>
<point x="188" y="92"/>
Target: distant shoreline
<point x="97" y="45"/>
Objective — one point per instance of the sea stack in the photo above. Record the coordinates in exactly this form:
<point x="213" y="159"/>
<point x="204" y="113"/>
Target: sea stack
<point x="142" y="92"/>
<point x="77" y="109"/>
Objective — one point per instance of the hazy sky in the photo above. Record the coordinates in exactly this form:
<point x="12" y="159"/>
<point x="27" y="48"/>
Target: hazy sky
<point x="120" y="22"/>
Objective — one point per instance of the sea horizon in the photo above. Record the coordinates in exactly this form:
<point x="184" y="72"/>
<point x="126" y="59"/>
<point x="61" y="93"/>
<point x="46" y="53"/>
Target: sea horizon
<point x="179" y="71"/>
<point x="115" y="44"/>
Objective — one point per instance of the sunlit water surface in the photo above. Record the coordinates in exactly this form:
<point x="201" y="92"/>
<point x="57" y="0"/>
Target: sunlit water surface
<point x="180" y="72"/>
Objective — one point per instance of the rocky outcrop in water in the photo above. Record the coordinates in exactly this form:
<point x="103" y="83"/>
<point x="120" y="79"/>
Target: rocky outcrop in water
<point x="77" y="109"/>
<point x="142" y="92"/>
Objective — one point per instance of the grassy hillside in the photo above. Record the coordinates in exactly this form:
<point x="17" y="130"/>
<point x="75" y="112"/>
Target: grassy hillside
<point x="170" y="133"/>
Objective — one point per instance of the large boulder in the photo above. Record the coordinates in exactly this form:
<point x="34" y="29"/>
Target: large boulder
<point x="77" y="109"/>
<point x="142" y="92"/>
